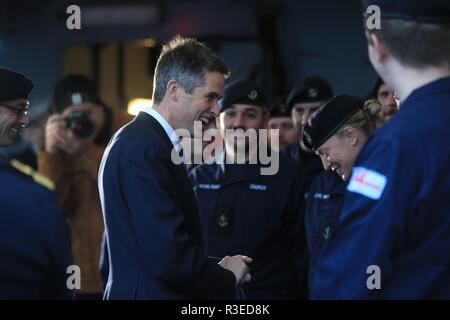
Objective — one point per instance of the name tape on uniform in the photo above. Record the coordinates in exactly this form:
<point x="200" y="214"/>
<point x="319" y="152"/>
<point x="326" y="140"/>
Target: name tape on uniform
<point x="209" y="186"/>
<point x="318" y="195"/>
<point x="367" y="182"/>
<point x="259" y="187"/>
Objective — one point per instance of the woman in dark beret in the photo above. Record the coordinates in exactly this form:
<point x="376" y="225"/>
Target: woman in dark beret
<point x="336" y="132"/>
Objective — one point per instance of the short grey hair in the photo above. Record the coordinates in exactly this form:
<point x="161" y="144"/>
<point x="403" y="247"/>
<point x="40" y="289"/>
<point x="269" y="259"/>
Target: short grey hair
<point x="185" y="60"/>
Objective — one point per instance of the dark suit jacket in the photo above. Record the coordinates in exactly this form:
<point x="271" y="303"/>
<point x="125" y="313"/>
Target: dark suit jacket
<point x="151" y="221"/>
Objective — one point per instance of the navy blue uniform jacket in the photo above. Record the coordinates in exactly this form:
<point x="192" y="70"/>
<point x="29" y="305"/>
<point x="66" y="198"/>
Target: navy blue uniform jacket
<point x="396" y="212"/>
<point x="323" y="206"/>
<point x="151" y="221"/>
<point x="34" y="243"/>
<point x="257" y="215"/>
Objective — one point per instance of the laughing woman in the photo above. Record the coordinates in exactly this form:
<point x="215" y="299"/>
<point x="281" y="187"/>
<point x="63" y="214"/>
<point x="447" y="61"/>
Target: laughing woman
<point x="336" y="132"/>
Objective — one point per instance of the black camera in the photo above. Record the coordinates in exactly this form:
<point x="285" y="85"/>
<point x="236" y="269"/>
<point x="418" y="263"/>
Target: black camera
<point x="80" y="124"/>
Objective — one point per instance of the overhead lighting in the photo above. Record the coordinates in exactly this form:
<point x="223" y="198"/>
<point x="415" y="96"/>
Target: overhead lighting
<point x="137" y="105"/>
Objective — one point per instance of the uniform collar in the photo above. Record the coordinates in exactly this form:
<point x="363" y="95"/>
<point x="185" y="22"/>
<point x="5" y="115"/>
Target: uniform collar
<point x="229" y="173"/>
<point x="341" y="187"/>
<point x="438" y="86"/>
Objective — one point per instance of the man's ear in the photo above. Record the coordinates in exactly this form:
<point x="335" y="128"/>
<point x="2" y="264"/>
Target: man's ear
<point x="173" y="90"/>
<point x="379" y="47"/>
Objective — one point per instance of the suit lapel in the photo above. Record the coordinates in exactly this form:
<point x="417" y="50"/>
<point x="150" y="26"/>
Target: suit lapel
<point x="150" y="123"/>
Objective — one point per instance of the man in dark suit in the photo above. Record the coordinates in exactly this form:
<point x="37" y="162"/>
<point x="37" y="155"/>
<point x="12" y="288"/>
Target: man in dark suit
<point x="34" y="244"/>
<point x="151" y="217"/>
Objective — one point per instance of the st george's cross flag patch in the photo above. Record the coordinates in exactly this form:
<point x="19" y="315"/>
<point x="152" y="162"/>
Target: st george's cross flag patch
<point x="367" y="182"/>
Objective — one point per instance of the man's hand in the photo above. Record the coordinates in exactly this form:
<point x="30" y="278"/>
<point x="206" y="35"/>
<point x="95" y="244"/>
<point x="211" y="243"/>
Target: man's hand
<point x="238" y="265"/>
<point x="58" y="137"/>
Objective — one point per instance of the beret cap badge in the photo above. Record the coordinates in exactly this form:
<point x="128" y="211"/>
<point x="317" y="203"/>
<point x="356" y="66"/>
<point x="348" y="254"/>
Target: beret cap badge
<point x="253" y="94"/>
<point x="312" y="92"/>
<point x="242" y="92"/>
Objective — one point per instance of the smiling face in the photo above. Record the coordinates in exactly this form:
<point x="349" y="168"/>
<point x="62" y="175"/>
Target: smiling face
<point x="202" y="105"/>
<point x="339" y="153"/>
<point x="12" y="120"/>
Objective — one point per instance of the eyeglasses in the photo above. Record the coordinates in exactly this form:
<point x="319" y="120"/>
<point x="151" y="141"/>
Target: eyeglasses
<point x="18" y="111"/>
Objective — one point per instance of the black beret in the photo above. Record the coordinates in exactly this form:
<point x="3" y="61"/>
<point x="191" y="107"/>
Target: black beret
<point x="329" y="118"/>
<point x="432" y="11"/>
<point x="74" y="89"/>
<point x="14" y="85"/>
<point x="242" y="92"/>
<point x="280" y="108"/>
<point x="310" y="89"/>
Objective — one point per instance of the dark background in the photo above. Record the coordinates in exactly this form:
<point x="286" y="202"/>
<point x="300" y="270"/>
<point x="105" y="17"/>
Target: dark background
<point x="275" y="43"/>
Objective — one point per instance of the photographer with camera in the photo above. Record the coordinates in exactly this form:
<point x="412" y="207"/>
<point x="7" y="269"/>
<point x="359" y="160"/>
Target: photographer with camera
<point x="75" y="138"/>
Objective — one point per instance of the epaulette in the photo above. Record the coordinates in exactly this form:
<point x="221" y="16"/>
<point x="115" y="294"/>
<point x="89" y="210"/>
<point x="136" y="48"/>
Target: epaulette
<point x="37" y="177"/>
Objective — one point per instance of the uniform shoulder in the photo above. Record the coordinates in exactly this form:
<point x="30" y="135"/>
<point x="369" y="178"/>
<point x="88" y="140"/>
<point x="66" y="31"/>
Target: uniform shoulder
<point x="389" y="139"/>
<point x="26" y="173"/>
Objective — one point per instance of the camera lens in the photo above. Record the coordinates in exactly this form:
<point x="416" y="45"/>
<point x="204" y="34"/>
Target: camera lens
<point x="80" y="124"/>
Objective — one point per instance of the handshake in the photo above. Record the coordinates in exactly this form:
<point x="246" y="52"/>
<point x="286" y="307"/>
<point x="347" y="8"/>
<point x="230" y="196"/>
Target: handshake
<point x="238" y="265"/>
